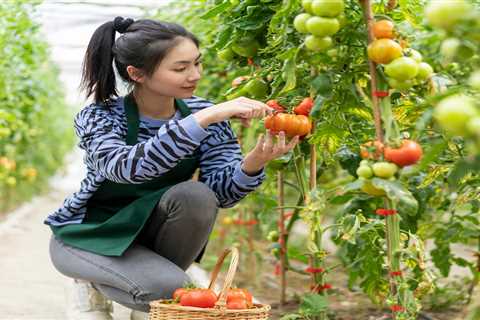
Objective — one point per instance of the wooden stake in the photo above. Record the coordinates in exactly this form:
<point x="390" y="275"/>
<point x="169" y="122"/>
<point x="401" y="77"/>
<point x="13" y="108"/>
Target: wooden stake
<point x="283" y="247"/>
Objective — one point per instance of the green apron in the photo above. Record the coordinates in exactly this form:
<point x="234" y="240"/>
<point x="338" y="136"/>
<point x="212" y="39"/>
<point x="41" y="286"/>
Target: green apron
<point x="117" y="212"/>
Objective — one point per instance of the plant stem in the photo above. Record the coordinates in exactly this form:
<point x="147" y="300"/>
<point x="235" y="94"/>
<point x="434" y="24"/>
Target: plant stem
<point x="283" y="247"/>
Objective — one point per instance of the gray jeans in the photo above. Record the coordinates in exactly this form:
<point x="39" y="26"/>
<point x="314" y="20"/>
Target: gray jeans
<point x="154" y="265"/>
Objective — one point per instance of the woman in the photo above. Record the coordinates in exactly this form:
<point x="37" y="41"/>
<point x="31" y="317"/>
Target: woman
<point x="139" y="220"/>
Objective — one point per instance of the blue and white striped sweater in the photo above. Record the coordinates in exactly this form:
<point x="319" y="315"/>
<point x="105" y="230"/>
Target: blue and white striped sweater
<point x="161" y="145"/>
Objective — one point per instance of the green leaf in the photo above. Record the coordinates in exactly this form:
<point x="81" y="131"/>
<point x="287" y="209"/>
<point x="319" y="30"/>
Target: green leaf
<point x="288" y="71"/>
<point x="313" y="304"/>
<point x="215" y="11"/>
<point x="405" y="201"/>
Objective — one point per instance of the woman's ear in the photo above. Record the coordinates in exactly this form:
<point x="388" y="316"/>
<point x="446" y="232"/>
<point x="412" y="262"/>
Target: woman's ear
<point x="135" y="74"/>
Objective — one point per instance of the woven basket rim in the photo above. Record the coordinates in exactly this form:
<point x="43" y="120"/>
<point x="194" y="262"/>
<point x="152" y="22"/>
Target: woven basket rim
<point x="166" y="304"/>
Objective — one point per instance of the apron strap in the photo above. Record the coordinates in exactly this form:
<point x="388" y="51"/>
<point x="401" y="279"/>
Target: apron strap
<point x="133" y="118"/>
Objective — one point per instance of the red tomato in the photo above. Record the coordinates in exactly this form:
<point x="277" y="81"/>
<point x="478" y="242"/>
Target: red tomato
<point x="237" y="304"/>
<point x="178" y="293"/>
<point x="240" y="294"/>
<point x="371" y="150"/>
<point x="200" y="298"/>
<point x="275" y="105"/>
<point x="304" y="107"/>
<point x="292" y="125"/>
<point x="409" y="153"/>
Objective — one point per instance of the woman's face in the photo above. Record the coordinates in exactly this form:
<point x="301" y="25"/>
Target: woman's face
<point x="178" y="73"/>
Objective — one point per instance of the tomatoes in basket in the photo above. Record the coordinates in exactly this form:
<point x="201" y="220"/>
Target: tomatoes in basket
<point x="304" y="107"/>
<point x="200" y="298"/>
<point x="178" y="293"/>
<point x="292" y="125"/>
<point x="238" y="298"/>
<point x="407" y="154"/>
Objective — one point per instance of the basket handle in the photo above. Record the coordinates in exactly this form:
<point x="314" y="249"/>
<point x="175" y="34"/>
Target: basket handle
<point x="229" y="277"/>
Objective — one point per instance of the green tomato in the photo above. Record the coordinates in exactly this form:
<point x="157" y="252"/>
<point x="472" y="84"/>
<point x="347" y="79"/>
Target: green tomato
<point x="256" y="88"/>
<point x="322" y="27"/>
<point x="342" y="19"/>
<point x="364" y="172"/>
<point x="307" y="5"/>
<point x="425" y="71"/>
<point x="385" y="170"/>
<point x="474" y="80"/>
<point x="246" y="47"/>
<point x="234" y="2"/>
<point x="226" y="54"/>
<point x="300" y="22"/>
<point x="318" y="44"/>
<point x="402" y="68"/>
<point x="414" y="54"/>
<point x="328" y="8"/>
<point x="449" y="48"/>
<point x="273" y="236"/>
<point x="365" y="163"/>
<point x="473" y="126"/>
<point x="446" y="14"/>
<point x="453" y="113"/>
<point x="400" y="85"/>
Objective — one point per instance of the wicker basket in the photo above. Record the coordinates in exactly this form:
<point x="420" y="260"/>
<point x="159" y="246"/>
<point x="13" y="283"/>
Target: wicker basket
<point x="164" y="309"/>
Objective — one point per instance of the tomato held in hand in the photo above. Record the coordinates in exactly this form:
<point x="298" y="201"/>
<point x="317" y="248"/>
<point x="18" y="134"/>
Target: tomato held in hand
<point x="292" y="125"/>
<point x="304" y="107"/>
<point x="407" y="154"/>
<point x="383" y="29"/>
<point x="200" y="298"/>
<point x="275" y="105"/>
<point x="384" y="51"/>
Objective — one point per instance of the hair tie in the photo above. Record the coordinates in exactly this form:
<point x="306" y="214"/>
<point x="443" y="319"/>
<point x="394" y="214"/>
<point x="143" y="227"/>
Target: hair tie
<point x="121" y="25"/>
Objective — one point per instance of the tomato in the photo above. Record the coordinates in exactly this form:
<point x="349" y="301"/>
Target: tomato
<point x="383" y="29"/>
<point x="256" y="88"/>
<point x="226" y="54"/>
<point x="454" y="112"/>
<point x="384" y="51"/>
<point x="403" y="68"/>
<point x="322" y="27"/>
<point x="314" y="43"/>
<point x="235" y="2"/>
<point x="369" y="188"/>
<point x="414" y="54"/>
<point x="425" y="71"/>
<point x="178" y="293"/>
<point x="307" y="5"/>
<point x="364" y="172"/>
<point x="201" y="298"/>
<point x="246" y="47"/>
<point x="474" y="80"/>
<point x="273" y="236"/>
<point x="292" y="125"/>
<point x="237" y="304"/>
<point x="449" y="47"/>
<point x="227" y="220"/>
<point x="371" y="150"/>
<point x="238" y="294"/>
<point x="384" y="170"/>
<point x="407" y="154"/>
<point x="473" y="126"/>
<point x="328" y="8"/>
<point x="304" y="107"/>
<point x="400" y="85"/>
<point x="275" y="105"/>
<point x="300" y="22"/>
<point x="446" y="14"/>
<point x="239" y="80"/>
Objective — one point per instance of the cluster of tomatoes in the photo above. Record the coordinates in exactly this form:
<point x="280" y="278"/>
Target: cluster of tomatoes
<point x="322" y="19"/>
<point x="297" y="124"/>
<point x="404" y="67"/>
<point x="237" y="298"/>
<point x="384" y="162"/>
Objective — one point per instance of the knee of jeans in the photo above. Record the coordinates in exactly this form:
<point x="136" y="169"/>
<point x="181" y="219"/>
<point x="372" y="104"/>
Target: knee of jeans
<point x="163" y="287"/>
<point x="197" y="200"/>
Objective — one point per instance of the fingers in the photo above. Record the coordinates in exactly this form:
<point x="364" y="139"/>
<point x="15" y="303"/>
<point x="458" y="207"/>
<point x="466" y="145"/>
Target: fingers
<point x="256" y="109"/>
<point x="268" y="143"/>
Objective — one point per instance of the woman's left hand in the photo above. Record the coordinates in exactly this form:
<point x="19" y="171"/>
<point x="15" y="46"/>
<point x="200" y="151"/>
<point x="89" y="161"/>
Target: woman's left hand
<point x="266" y="150"/>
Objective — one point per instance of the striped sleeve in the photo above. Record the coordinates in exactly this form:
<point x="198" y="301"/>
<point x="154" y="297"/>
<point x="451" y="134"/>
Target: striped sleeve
<point x="220" y="166"/>
<point x="104" y="143"/>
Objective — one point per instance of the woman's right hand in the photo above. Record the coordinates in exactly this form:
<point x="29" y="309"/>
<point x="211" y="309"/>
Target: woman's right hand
<point x="241" y="108"/>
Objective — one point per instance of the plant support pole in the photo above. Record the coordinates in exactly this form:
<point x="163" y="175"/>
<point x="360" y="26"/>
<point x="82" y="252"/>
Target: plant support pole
<point x="283" y="249"/>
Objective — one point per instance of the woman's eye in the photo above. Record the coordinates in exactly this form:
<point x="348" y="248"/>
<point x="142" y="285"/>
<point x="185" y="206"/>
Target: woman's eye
<point x="180" y="70"/>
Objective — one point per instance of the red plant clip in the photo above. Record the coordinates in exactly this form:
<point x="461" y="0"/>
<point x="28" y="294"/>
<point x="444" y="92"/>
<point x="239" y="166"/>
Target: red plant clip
<point x="380" y="94"/>
<point x="396" y="273"/>
<point x="386" y="212"/>
<point x="314" y="270"/>
<point x="397" y="308"/>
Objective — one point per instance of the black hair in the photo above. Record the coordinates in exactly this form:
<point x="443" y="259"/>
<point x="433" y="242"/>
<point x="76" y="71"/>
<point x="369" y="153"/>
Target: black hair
<point x="143" y="44"/>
